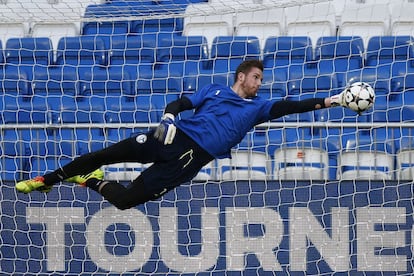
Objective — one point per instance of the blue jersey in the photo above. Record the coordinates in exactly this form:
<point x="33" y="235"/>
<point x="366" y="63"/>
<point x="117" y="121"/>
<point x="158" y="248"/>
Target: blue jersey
<point x="222" y="118"/>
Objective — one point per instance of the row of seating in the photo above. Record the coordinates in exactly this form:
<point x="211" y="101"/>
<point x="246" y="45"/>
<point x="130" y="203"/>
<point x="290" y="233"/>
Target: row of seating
<point x="314" y="20"/>
<point x="263" y="154"/>
<point x="136" y="48"/>
<point x="181" y="64"/>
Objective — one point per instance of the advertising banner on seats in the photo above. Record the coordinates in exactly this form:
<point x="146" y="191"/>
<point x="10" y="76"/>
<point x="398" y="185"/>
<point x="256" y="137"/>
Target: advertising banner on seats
<point x="247" y="227"/>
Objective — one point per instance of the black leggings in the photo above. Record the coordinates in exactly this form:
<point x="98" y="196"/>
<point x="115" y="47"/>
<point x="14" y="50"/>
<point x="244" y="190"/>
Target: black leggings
<point x="172" y="165"/>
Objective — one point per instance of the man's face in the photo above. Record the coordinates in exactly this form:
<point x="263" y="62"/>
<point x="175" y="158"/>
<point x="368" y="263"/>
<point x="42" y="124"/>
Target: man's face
<point x="251" y="82"/>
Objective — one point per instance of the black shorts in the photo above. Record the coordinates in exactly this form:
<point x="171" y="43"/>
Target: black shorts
<point x="173" y="164"/>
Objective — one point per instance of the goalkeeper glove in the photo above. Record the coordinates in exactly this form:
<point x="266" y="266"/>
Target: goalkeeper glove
<point x="166" y="130"/>
<point x="339" y="99"/>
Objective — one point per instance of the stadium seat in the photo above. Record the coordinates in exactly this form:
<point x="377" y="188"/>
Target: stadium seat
<point x="25" y="112"/>
<point x="57" y="84"/>
<point x="229" y="51"/>
<point x="313" y="20"/>
<point x="347" y="120"/>
<point x="132" y="112"/>
<point x="287" y="53"/>
<point x="104" y="85"/>
<point x="244" y="165"/>
<point x="302" y="160"/>
<point x="308" y="86"/>
<point x="106" y="28"/>
<point x="364" y="20"/>
<point x="13" y="30"/>
<point x="47" y="155"/>
<point x="179" y="54"/>
<point x="366" y="159"/>
<point x="28" y="54"/>
<point x="338" y="55"/>
<point x="274" y="84"/>
<point x="135" y="54"/>
<point x="108" y="9"/>
<point x="132" y="49"/>
<point x="404" y="86"/>
<point x="14" y="162"/>
<point x="171" y="24"/>
<point x="81" y="51"/>
<point x="405" y="158"/>
<point x="260" y="23"/>
<point x="210" y="24"/>
<point x="28" y="50"/>
<point x="402" y="19"/>
<point x="389" y="49"/>
<point x="55" y="31"/>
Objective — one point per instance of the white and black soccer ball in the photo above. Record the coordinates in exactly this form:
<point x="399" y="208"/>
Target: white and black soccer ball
<point x="359" y="96"/>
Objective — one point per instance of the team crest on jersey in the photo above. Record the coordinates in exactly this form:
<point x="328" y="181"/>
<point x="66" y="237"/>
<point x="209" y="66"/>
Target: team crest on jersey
<point x="141" y="138"/>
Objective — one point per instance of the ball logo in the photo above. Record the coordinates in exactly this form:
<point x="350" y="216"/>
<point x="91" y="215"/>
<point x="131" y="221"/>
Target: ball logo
<point x="141" y="138"/>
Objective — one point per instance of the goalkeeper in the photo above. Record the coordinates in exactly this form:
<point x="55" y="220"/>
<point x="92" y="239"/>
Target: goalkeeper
<point x="178" y="149"/>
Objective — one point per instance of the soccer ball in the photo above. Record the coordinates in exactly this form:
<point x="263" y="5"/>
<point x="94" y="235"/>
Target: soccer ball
<point x="359" y="96"/>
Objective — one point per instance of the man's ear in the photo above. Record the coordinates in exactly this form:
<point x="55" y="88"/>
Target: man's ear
<point x="241" y="76"/>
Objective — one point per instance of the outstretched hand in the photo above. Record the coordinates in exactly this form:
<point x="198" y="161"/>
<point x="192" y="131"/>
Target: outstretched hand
<point x="339" y="99"/>
<point x="166" y="130"/>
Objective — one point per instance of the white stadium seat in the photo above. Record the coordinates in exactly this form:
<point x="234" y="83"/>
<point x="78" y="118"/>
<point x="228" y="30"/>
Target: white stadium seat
<point x="9" y="30"/>
<point x="402" y="19"/>
<point x="405" y="164"/>
<point x="244" y="165"/>
<point x="313" y="20"/>
<point x="365" y="160"/>
<point x="55" y="31"/>
<point x="304" y="163"/>
<point x="260" y="23"/>
<point x="208" y="20"/>
<point x="365" y="20"/>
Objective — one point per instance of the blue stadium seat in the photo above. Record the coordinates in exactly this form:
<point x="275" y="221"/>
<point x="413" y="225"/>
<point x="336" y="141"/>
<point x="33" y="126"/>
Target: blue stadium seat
<point x="309" y="86"/>
<point x="105" y="82"/>
<point x="339" y="135"/>
<point x="14" y="83"/>
<point x="47" y="155"/>
<point x="132" y="112"/>
<point x="81" y="51"/>
<point x="132" y="49"/>
<point x="179" y="54"/>
<point x="392" y="54"/>
<point x="107" y="28"/>
<point x="58" y="84"/>
<point x="284" y="51"/>
<point x="159" y="84"/>
<point x="81" y="110"/>
<point x="135" y="54"/>
<point x="25" y="112"/>
<point x="29" y="50"/>
<point x="1" y="54"/>
<point x="109" y="9"/>
<point x="339" y="54"/>
<point x="28" y="54"/>
<point x="403" y="86"/>
<point x="13" y="163"/>
<point x="229" y="51"/>
<point x="173" y="25"/>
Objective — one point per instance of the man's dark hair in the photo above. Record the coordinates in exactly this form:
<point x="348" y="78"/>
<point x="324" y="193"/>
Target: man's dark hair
<point x="247" y="65"/>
